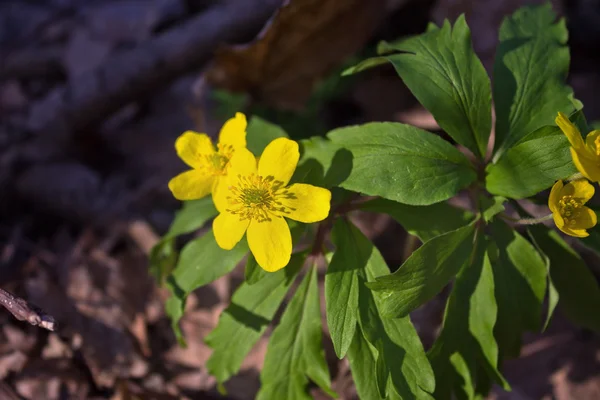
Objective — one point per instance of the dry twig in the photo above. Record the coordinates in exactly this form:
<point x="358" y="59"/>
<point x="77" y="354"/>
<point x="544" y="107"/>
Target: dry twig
<point x="24" y="311"/>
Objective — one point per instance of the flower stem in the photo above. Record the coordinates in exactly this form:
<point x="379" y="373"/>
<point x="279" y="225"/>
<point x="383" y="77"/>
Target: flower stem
<point x="575" y="176"/>
<point x="527" y="221"/>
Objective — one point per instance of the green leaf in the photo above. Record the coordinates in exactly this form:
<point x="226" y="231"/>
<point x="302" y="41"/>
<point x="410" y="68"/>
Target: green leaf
<point x="192" y="216"/>
<point x="492" y="207"/>
<point x="443" y="72"/>
<point x="260" y="133"/>
<point x="363" y="358"/>
<point x="466" y="343"/>
<point x="399" y="354"/>
<point x="403" y="163"/>
<point x="576" y="285"/>
<point x="253" y="272"/>
<point x="201" y="262"/>
<point x="520" y="286"/>
<point x="553" y="295"/>
<point x="425" y="273"/>
<point x="425" y="222"/>
<point x="322" y="163"/>
<point x="531" y="66"/>
<point x="295" y="352"/>
<point x="341" y="286"/>
<point x="241" y="325"/>
<point x="532" y="165"/>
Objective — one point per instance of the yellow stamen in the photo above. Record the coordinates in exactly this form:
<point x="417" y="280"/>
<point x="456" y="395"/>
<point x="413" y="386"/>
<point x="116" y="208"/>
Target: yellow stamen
<point x="569" y="208"/>
<point x="257" y="198"/>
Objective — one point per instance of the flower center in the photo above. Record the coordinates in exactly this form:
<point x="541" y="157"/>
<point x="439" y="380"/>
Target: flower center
<point x="258" y="198"/>
<point x="569" y="208"/>
<point x="216" y="163"/>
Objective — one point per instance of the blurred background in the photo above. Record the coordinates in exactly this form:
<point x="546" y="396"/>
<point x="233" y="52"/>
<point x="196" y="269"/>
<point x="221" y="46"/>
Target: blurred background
<point x="93" y="94"/>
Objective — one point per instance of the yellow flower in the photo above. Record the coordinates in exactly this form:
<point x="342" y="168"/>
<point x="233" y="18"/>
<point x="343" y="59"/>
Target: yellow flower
<point x="208" y="166"/>
<point x="586" y="155"/>
<point x="567" y="205"/>
<point x="255" y="199"/>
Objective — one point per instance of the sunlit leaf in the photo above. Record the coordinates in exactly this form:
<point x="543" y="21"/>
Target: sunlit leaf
<point x="202" y="261"/>
<point x="192" y="216"/>
<point x="295" y="352"/>
<point x="245" y="320"/>
<point x="399" y="355"/>
<point x="402" y="163"/>
<point x="443" y="72"/>
<point x="425" y="222"/>
<point x="425" y="272"/>
<point x="530" y="69"/>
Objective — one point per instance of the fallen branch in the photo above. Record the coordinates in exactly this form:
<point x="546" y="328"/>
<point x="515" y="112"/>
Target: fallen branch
<point x="24" y="311"/>
<point x="129" y="76"/>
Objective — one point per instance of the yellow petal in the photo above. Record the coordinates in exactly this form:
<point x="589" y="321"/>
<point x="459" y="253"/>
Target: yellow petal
<point x="271" y="243"/>
<point x="570" y="131"/>
<point x="233" y="132"/>
<point x="558" y="220"/>
<point x="589" y="167"/>
<point x="191" y="185"/>
<point x="305" y="203"/>
<point x="555" y="196"/>
<point x="580" y="188"/>
<point x="220" y="193"/>
<point x="192" y="146"/>
<point x="590" y="141"/>
<point x="242" y="163"/>
<point x="279" y="159"/>
<point x="229" y="230"/>
<point x="580" y="233"/>
<point x="586" y="219"/>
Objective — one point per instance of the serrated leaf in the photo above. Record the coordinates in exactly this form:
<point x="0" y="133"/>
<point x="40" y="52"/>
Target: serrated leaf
<point x="403" y="163"/>
<point x="425" y="222"/>
<point x="295" y="351"/>
<point x="192" y="216"/>
<point x="466" y="343"/>
<point x="576" y="285"/>
<point x="201" y="262"/>
<point x="425" y="272"/>
<point x="341" y="286"/>
<point x="532" y="165"/>
<point x="520" y="286"/>
<point x="241" y="325"/>
<point x="532" y="61"/>
<point x="400" y="358"/>
<point x="322" y="163"/>
<point x="260" y="133"/>
<point x="443" y="72"/>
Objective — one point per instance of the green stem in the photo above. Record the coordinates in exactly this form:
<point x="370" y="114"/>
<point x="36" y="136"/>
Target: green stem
<point x="527" y="221"/>
<point x="575" y="176"/>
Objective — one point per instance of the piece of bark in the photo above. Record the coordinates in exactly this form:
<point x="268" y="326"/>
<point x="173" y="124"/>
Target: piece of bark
<point x="131" y="75"/>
